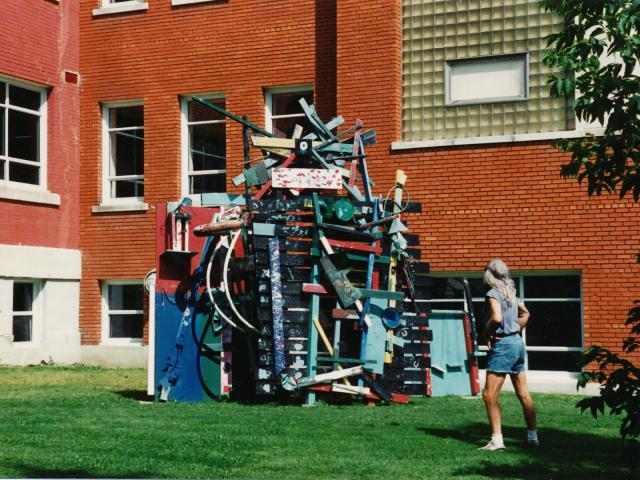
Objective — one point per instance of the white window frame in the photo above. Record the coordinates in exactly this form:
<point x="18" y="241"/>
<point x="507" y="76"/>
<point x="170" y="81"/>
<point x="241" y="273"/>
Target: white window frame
<point x="42" y="136"/>
<point x="107" y="199"/>
<point x="106" y="322"/>
<point x="447" y="79"/>
<point x="520" y="287"/>
<point x="108" y="7"/>
<point x="36" y="311"/>
<point x="185" y="141"/>
<point x="268" y="103"/>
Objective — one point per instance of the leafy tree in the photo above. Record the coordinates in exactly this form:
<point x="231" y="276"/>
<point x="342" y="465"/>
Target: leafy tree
<point x="608" y="92"/>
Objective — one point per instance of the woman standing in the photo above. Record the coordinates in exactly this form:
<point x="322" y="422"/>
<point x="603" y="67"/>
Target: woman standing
<point x="507" y="317"/>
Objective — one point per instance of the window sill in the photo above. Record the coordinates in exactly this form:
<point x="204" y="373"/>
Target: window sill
<point x="120" y="207"/>
<point x="177" y="3"/>
<point x="518" y="137"/>
<point x="29" y="195"/>
<point x="25" y="345"/>
<point x="120" y="8"/>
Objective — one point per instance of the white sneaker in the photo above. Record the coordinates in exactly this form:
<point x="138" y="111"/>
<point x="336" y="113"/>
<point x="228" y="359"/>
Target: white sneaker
<point x="533" y="442"/>
<point x="493" y="446"/>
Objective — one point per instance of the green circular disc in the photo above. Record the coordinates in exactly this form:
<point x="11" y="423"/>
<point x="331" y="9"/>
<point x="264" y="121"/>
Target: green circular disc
<point x="344" y="210"/>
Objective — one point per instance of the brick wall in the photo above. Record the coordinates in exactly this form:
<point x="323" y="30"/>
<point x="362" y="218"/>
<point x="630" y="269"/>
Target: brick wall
<point x="156" y="55"/>
<point x="478" y="202"/>
<point x="39" y="41"/>
<point x="481" y="202"/>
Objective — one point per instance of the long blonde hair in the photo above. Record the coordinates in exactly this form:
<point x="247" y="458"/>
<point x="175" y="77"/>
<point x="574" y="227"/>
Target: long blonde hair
<point x="496" y="275"/>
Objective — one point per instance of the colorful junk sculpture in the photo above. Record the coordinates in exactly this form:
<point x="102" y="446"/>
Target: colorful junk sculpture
<point x="296" y="287"/>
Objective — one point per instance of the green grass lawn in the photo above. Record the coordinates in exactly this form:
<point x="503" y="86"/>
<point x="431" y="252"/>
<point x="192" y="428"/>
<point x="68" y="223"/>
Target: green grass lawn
<point x="89" y="422"/>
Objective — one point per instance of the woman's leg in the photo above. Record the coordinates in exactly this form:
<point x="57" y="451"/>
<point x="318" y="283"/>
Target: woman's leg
<point x="492" y="385"/>
<point x="519" y="381"/>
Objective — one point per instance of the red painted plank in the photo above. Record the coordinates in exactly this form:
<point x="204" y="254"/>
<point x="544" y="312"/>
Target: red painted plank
<point x="351" y="245"/>
<point x="314" y="288"/>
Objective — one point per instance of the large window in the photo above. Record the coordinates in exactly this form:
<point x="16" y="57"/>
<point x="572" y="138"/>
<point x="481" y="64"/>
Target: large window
<point x="283" y="111"/>
<point x="123" y="312"/>
<point x="123" y="144"/>
<point x="22" y="134"/>
<point x="474" y="53"/>
<point x="486" y="80"/>
<point x="204" y="147"/>
<point x="553" y="336"/>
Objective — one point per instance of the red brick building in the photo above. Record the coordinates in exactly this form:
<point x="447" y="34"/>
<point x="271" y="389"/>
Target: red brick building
<point x="39" y="191"/>
<point x="456" y="95"/>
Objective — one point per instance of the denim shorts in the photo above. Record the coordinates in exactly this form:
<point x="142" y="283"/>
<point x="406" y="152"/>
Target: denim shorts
<point x="507" y="355"/>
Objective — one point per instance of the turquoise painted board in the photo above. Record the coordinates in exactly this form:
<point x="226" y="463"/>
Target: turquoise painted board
<point x="376" y="337"/>
<point x="449" y="363"/>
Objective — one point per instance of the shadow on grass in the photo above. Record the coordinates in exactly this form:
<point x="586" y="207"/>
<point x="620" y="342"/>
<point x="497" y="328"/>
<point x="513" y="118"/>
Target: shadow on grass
<point x="135" y="395"/>
<point x="562" y="454"/>
<point x="33" y="471"/>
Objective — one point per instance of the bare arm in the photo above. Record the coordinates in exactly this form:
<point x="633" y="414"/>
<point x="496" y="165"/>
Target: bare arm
<point x="494" y="321"/>
<point x="523" y="315"/>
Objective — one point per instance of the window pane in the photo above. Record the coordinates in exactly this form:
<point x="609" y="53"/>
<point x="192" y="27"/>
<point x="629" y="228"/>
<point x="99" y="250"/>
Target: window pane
<point x="22" y="328"/>
<point x="556" y="361"/>
<point x="2" y="167"/>
<point x="283" y="127"/>
<point x="19" y="172"/>
<point x="23" y="135"/>
<point x="121" y="117"/>
<point x="554" y="324"/>
<point x="127" y="150"/>
<point x="487" y="79"/>
<point x="127" y="188"/>
<point x="125" y="297"/>
<point x="208" y="183"/>
<point x="287" y="103"/>
<point x="208" y="147"/>
<point x="444" y="288"/>
<point x="21" y="97"/>
<point x="201" y="113"/>
<point x="22" y="296"/>
<point x="3" y="92"/>
<point x="481" y="319"/>
<point x="447" y="305"/>
<point x="477" y="287"/>
<point x="2" y="114"/>
<point x="126" y="326"/>
<point x="562" y="286"/>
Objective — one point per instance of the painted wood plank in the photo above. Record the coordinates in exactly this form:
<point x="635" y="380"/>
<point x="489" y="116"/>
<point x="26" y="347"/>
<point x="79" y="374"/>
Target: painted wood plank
<point x="267" y="186"/>
<point x="382" y="294"/>
<point x="221" y="199"/>
<point x="350" y="389"/>
<point x="363" y="247"/>
<point x="329" y="376"/>
<point x="314" y="288"/>
<point x="347" y="293"/>
<point x="277" y="304"/>
<point x="264" y="229"/>
<point x="351" y="231"/>
<point x="306" y="178"/>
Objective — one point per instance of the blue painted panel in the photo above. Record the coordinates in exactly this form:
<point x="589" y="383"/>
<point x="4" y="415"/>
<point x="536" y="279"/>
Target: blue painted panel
<point x="449" y="363"/>
<point x="198" y="375"/>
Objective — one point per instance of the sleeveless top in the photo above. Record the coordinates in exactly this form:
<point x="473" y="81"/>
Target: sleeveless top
<point x="509" y="323"/>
